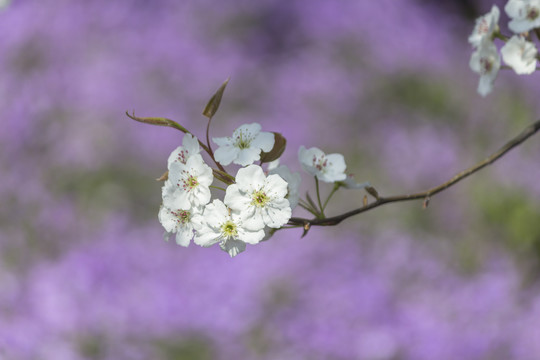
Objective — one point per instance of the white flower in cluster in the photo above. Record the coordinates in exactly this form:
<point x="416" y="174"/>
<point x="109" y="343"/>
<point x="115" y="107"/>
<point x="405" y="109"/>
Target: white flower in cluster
<point x="189" y="148"/>
<point x="485" y="26"/>
<point x="327" y="168"/>
<point x="293" y="182"/>
<point x="486" y="62"/>
<point x="272" y="165"/>
<point x="259" y="200"/>
<point x="350" y="183"/>
<point x="188" y="184"/>
<point x="520" y="55"/>
<point x="218" y="224"/>
<point x="525" y="15"/>
<point x="179" y="222"/>
<point x="244" y="146"/>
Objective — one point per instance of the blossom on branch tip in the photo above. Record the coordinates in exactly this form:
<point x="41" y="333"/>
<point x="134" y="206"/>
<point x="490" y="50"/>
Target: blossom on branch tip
<point x="525" y="15"/>
<point x="350" y="183"/>
<point x="520" y="55"/>
<point x="217" y="224"/>
<point x="244" y="146"/>
<point x="486" y="62"/>
<point x="179" y="222"/>
<point x="188" y="184"/>
<point x="485" y="26"/>
<point x="189" y="148"/>
<point x="293" y="183"/>
<point x="327" y="168"/>
<point x="259" y="200"/>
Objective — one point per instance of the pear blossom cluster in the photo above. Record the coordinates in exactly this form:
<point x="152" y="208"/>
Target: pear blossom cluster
<point x="518" y="52"/>
<point x="255" y="202"/>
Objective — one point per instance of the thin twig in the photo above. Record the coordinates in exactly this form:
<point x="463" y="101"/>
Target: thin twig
<point x="425" y="195"/>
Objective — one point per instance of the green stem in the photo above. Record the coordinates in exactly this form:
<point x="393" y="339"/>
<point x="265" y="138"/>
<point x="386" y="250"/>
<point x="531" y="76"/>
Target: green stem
<point x="307" y="207"/>
<point x="223" y="176"/>
<point x="319" y="197"/>
<point x="208" y="148"/>
<point x="217" y="187"/>
<point x="336" y="187"/>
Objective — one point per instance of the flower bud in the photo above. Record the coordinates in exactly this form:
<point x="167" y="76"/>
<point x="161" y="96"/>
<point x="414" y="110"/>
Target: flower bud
<point x="213" y="104"/>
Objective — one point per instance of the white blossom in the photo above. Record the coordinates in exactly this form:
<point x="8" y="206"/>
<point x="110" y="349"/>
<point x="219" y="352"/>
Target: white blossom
<point x="190" y="147"/>
<point x="244" y="146"/>
<point x="272" y="165"/>
<point x="218" y="224"/>
<point x="486" y="62"/>
<point x="485" y="26"/>
<point x="178" y="221"/>
<point x="520" y="55"/>
<point x="525" y="15"/>
<point x="259" y="200"/>
<point x="293" y="183"/>
<point x="188" y="184"/>
<point x="327" y="168"/>
<point x="350" y="183"/>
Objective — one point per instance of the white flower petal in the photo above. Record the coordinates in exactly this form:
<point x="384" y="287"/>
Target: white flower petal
<point x="244" y="146"/>
<point x="206" y="238"/>
<point x="250" y="178"/>
<point x="235" y="199"/>
<point x="525" y="15"/>
<point x="250" y="237"/>
<point x="486" y="62"/>
<point x="184" y="236"/>
<point x="485" y="26"/>
<point x="247" y="156"/>
<point x="264" y="141"/>
<point x="337" y="163"/>
<point x="222" y="141"/>
<point x="226" y="154"/>
<point x="252" y="129"/>
<point x="215" y="213"/>
<point x="252" y="219"/>
<point x="167" y="220"/>
<point x="191" y="144"/>
<point x="277" y="215"/>
<point x="233" y="247"/>
<point x="276" y="186"/>
<point x="293" y="183"/>
<point x="520" y="55"/>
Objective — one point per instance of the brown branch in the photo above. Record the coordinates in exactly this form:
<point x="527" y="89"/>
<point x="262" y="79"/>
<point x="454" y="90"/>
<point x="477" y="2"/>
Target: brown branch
<point x="425" y="195"/>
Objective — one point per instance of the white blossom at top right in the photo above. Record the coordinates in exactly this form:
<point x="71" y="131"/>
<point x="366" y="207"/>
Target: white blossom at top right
<point x="520" y="55"/>
<point x="485" y="26"/>
<point x="525" y="15"/>
<point x="327" y="168"/>
<point x="486" y="62"/>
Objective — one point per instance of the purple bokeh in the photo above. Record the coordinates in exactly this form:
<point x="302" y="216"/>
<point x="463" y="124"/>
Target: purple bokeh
<point x="85" y="273"/>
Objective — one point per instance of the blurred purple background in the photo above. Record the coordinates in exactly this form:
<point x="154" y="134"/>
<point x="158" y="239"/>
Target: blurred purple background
<point x="85" y="273"/>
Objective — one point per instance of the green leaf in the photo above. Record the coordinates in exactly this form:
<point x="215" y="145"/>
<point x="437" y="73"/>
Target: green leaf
<point x="279" y="147"/>
<point x="158" y="121"/>
<point x="213" y="104"/>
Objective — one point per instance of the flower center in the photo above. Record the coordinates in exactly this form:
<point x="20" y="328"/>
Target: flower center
<point x="486" y="64"/>
<point x="182" y="156"/>
<point x="229" y="230"/>
<point x="259" y="198"/>
<point x="483" y="26"/>
<point x="320" y="163"/>
<point x="189" y="183"/>
<point x="243" y="140"/>
<point x="532" y="13"/>
<point x="182" y="215"/>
